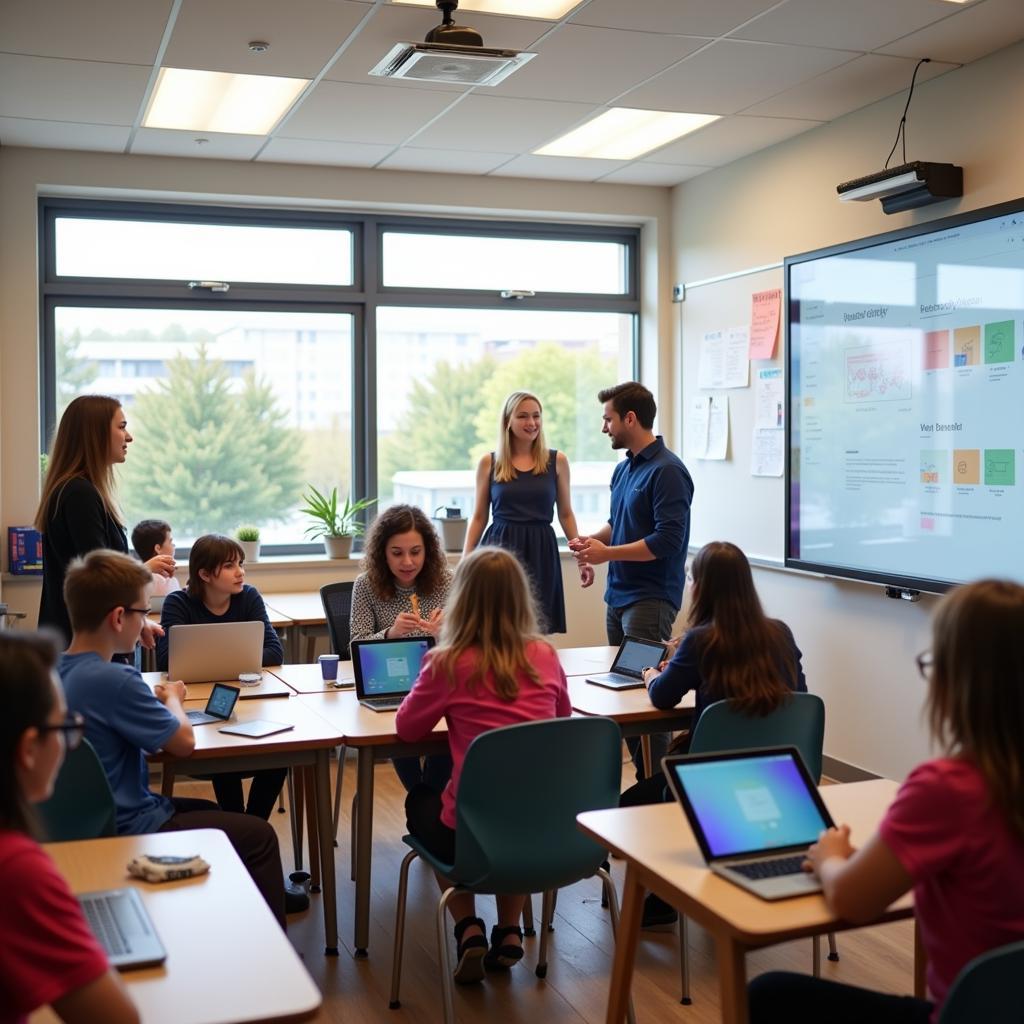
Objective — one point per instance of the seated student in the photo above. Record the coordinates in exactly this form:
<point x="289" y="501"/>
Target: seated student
<point x="955" y="833"/>
<point x="217" y="592"/>
<point x="492" y="668"/>
<point x="152" y="537"/>
<point x="401" y="592"/>
<point x="107" y="595"/>
<point x="49" y="954"/>
<point x="732" y="651"/>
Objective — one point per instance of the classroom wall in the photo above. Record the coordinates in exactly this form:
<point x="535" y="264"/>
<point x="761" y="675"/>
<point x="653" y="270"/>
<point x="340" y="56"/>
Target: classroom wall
<point x="858" y="646"/>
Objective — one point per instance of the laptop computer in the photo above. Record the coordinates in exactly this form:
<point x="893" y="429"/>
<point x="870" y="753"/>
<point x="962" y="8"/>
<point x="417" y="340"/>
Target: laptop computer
<point x="212" y="651"/>
<point x="219" y="708"/>
<point x="632" y="657"/>
<point x="122" y="927"/>
<point x="386" y="669"/>
<point x="754" y="813"/>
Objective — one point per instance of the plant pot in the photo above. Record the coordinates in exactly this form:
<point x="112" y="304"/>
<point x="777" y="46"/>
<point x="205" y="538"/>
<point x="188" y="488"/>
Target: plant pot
<point x="338" y="547"/>
<point x="251" y="549"/>
<point x="453" y="532"/>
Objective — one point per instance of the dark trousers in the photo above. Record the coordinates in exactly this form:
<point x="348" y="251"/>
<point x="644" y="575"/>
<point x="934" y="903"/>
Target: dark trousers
<point x="802" y="999"/>
<point x="648" y="620"/>
<point x="434" y="771"/>
<point x="254" y="841"/>
<point x="263" y="793"/>
<point x="423" y="819"/>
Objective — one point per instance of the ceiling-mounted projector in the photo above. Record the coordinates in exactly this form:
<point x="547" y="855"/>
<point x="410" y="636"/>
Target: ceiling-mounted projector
<point x="907" y="186"/>
<point x="450" y="53"/>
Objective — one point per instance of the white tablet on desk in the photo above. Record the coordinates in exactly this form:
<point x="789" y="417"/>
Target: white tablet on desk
<point x="256" y="729"/>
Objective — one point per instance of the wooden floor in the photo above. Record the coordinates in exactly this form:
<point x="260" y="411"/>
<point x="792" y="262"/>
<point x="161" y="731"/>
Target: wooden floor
<point x="580" y="948"/>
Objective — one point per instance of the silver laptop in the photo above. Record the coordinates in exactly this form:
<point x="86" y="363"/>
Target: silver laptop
<point x="212" y="651"/>
<point x="219" y="708"/>
<point x="121" y="925"/>
<point x="753" y="813"/>
<point x="632" y="657"/>
<point x="386" y="669"/>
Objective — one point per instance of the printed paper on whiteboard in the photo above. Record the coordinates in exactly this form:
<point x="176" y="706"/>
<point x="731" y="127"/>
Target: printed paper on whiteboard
<point x="718" y="428"/>
<point x="769" y="399"/>
<point x="723" y="359"/>
<point x="696" y="430"/>
<point x="767" y="453"/>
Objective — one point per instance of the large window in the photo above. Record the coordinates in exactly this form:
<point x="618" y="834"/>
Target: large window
<point x="258" y="352"/>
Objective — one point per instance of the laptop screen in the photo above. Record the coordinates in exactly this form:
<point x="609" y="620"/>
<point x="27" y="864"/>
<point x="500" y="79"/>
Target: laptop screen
<point x="636" y="655"/>
<point x="390" y="667"/>
<point x="750" y="805"/>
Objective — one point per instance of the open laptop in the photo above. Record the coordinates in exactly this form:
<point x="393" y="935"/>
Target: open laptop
<point x="632" y="657"/>
<point x="121" y="925"/>
<point x="386" y="669"/>
<point x="212" y="651"/>
<point x="754" y="814"/>
<point x="219" y="708"/>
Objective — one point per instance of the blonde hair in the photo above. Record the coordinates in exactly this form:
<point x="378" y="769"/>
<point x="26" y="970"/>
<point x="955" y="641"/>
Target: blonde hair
<point x="975" y="701"/>
<point x="81" y="447"/>
<point x="490" y="611"/>
<point x="98" y="583"/>
<point x="504" y="471"/>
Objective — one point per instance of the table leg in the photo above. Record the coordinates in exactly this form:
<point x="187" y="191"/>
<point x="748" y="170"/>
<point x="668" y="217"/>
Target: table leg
<point x="364" y="846"/>
<point x="626" y="938"/>
<point x="322" y="790"/>
<point x="311" y="828"/>
<point x="645" y="751"/>
<point x="732" y="978"/>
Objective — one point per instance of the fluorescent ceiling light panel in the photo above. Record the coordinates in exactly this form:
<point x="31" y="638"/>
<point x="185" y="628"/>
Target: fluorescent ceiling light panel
<point x="624" y="133"/>
<point x="216" y="101"/>
<point x="550" y="10"/>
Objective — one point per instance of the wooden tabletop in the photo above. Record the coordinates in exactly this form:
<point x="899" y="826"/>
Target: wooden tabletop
<point x="227" y="958"/>
<point x="579" y="661"/>
<point x="269" y="686"/>
<point x="625" y="706"/>
<point x="309" y="678"/>
<point x="359" y="725"/>
<point x="300" y="608"/>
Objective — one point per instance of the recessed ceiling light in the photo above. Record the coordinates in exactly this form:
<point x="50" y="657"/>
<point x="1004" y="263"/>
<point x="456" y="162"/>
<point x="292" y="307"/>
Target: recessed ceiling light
<point x="216" y="101"/>
<point x="550" y="10"/>
<point x="624" y="133"/>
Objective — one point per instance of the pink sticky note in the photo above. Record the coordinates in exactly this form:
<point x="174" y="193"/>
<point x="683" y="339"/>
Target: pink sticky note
<point x="936" y="350"/>
<point x="764" y="322"/>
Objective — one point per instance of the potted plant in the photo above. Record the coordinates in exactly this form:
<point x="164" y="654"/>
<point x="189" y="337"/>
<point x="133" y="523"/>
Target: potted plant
<point x="249" y="539"/>
<point x="336" y="525"/>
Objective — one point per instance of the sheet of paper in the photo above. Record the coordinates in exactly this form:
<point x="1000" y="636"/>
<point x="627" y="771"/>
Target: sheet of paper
<point x="769" y="399"/>
<point x="723" y="359"/>
<point x="768" y="452"/>
<point x="765" y="308"/>
<point x="696" y="429"/>
<point x="718" y="428"/>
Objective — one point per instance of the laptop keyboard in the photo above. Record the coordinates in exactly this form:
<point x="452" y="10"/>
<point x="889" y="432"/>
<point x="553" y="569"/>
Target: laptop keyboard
<point x="386" y="702"/>
<point x="111" y="919"/>
<point x="771" y="868"/>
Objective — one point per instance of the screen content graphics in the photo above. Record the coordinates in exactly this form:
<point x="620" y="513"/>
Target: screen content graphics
<point x="392" y="667"/>
<point x="637" y="655"/>
<point x="222" y="700"/>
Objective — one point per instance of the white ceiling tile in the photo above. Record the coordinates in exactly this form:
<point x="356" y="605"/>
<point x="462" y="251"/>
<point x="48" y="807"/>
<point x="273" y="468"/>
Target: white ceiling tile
<point x="970" y="33"/>
<point x="497" y="124"/>
<point x="642" y="173"/>
<point x="687" y="17"/>
<point x="213" y="35"/>
<point x="363" y="113"/>
<point x="70" y="90"/>
<point x="730" y="75"/>
<point x="218" y="145"/>
<point x="73" y="29"/>
<point x="594" y="65"/>
<point x="318" y="151"/>
<point x="451" y="161"/>
<point x="17" y="131"/>
<point x="729" y="139"/>
<point x="556" y="167"/>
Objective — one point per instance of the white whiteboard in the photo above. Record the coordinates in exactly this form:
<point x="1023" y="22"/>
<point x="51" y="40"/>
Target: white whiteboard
<point x="728" y="503"/>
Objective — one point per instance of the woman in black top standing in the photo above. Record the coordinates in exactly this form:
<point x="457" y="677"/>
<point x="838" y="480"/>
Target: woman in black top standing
<point x="78" y="511"/>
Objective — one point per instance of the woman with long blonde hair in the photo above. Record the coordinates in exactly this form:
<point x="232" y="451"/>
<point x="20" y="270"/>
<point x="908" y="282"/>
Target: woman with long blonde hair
<point x="491" y="668"/>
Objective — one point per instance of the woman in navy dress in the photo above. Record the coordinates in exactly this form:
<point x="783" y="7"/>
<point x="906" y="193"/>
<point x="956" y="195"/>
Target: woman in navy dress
<point x="521" y="483"/>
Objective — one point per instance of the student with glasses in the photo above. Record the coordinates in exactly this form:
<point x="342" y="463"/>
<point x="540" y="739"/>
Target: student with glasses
<point x="49" y="956"/>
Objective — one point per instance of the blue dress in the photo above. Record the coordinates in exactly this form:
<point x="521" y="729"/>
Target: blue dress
<point x="522" y="511"/>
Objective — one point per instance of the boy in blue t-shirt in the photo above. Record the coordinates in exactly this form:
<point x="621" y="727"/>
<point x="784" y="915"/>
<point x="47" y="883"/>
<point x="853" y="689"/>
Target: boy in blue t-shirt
<point x="107" y="596"/>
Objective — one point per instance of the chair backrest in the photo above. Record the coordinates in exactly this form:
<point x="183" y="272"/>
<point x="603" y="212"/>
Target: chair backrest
<point x="337" y="602"/>
<point x="520" y="791"/>
<point x="987" y="989"/>
<point x="798" y="722"/>
<point x="82" y="805"/>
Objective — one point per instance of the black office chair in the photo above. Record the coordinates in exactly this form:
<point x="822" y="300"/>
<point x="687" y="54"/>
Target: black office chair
<point x="337" y="602"/>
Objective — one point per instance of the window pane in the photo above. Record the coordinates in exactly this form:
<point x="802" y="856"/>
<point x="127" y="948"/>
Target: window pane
<point x="442" y="378"/>
<point x="232" y="412"/>
<point x="494" y="264"/>
<point x="179" y="251"/>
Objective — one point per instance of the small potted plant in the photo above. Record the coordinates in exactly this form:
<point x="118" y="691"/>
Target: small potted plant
<point x="249" y="539"/>
<point x="337" y="526"/>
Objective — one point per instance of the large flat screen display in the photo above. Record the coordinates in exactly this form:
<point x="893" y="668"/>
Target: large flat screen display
<point x="906" y="404"/>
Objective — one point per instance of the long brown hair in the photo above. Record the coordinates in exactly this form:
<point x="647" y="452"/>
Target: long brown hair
<point x="490" y="611"/>
<point x="81" y="447"/>
<point x="402" y="519"/>
<point x="504" y="471"/>
<point x="745" y="657"/>
<point x="975" y="700"/>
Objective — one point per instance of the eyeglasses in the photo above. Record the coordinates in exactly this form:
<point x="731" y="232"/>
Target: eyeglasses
<point x="73" y="728"/>
<point x="138" y="611"/>
<point x="925" y="662"/>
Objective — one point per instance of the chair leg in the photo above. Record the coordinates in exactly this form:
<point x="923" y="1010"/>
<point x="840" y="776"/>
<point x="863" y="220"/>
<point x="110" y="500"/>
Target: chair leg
<point x="309" y="789"/>
<point x="613" y="908"/>
<point x="833" y="952"/>
<point x="528" y="929"/>
<point x="353" y="826"/>
<point x="547" y="910"/>
<point x="296" y="820"/>
<point x="445" y="955"/>
<point x="816" y="956"/>
<point x="684" y="962"/>
<point x="337" y="792"/>
<point x="396" y="956"/>
<point x="551" y="916"/>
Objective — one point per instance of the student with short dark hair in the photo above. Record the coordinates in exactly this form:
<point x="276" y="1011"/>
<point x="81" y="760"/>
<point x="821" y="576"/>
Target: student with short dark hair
<point x="152" y="538"/>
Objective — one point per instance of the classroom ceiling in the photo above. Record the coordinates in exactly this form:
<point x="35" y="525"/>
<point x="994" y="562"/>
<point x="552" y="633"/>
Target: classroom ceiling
<point x="78" y="75"/>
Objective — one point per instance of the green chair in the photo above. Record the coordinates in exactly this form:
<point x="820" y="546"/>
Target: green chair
<point x="520" y="791"/>
<point x="987" y="989"/>
<point x="800" y="723"/>
<point x="82" y="804"/>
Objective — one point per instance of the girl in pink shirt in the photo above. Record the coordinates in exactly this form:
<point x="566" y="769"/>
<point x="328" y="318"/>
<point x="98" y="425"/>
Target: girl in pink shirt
<point x="955" y="833"/>
<point x="490" y="669"/>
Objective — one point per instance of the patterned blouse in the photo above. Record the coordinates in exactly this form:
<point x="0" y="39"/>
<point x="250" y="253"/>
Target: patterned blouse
<point x="372" y="616"/>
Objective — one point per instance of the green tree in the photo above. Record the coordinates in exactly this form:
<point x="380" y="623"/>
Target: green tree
<point x="75" y="374"/>
<point x="206" y="458"/>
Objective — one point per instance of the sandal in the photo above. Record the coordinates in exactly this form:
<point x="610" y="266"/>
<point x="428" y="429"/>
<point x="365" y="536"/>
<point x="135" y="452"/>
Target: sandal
<point x="471" y="953"/>
<point x="501" y="956"/>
